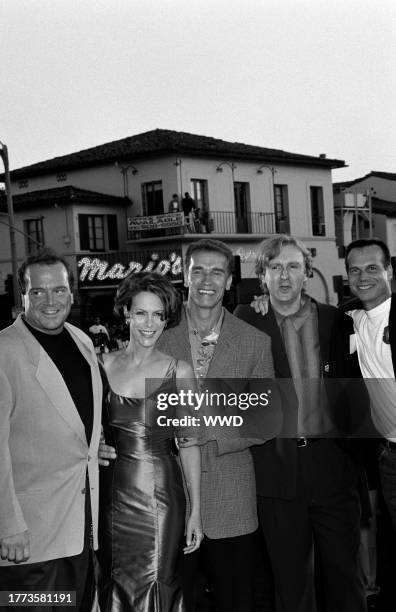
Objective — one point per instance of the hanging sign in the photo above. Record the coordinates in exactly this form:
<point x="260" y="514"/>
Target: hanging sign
<point x="141" y="224"/>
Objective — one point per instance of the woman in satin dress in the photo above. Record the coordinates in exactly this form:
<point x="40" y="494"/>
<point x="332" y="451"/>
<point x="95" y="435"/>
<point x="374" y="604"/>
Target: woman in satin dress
<point x="142" y="500"/>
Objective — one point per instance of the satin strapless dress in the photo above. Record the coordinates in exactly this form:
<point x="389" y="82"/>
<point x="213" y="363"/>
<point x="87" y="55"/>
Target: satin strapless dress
<point x="142" y="508"/>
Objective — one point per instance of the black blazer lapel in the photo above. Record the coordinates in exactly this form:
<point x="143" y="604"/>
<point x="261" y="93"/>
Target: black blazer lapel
<point x="325" y="330"/>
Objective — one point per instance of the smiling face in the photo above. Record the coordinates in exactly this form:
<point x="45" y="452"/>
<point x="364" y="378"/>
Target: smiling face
<point x="369" y="280"/>
<point x="147" y="319"/>
<point x="48" y="297"/>
<point x="208" y="277"/>
<point x="285" y="277"/>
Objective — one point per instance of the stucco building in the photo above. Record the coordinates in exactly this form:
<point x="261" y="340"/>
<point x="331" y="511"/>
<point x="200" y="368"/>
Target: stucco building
<point x="106" y="208"/>
<point x="368" y="205"/>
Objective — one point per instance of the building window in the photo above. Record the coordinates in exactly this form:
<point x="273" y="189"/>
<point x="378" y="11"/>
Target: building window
<point x="317" y="211"/>
<point x="34" y="231"/>
<point x="199" y="193"/>
<point x="61" y="176"/>
<point x="153" y="202"/>
<point x="23" y="184"/>
<point x="281" y="202"/>
<point x="98" y="232"/>
<point x="91" y="232"/>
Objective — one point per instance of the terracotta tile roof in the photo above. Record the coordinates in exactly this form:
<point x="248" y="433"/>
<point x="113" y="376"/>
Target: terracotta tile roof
<point x="61" y="196"/>
<point x="338" y="187"/>
<point x="163" y="142"/>
<point x="389" y="176"/>
<point x="383" y="207"/>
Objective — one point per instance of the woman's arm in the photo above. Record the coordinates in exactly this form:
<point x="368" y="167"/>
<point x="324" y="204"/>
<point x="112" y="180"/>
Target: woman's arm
<point x="191" y="464"/>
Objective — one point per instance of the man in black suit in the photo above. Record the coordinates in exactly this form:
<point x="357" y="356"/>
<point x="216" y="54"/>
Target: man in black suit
<point x="306" y="483"/>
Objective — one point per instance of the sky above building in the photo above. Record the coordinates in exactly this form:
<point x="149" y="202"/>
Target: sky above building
<point x="306" y="76"/>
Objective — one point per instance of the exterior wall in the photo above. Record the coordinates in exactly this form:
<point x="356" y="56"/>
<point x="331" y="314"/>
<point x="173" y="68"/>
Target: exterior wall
<point x="99" y="210"/>
<point x="384" y="227"/>
<point x="298" y="180"/>
<point x="108" y="179"/>
<point x="55" y="231"/>
<point x="382" y="188"/>
<point x="104" y="179"/>
<point x="389" y="228"/>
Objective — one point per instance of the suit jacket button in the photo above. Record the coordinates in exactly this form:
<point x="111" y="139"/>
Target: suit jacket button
<point x="83" y="491"/>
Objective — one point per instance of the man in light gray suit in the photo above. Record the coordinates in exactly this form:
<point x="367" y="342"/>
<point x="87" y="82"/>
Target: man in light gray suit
<point x="50" y="407"/>
<point x="218" y="345"/>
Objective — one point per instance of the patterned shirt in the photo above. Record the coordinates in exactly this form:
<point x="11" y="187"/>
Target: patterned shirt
<point x="202" y="349"/>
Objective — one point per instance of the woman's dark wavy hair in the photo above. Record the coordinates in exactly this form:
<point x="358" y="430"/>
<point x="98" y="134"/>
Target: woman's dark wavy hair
<point x="149" y="282"/>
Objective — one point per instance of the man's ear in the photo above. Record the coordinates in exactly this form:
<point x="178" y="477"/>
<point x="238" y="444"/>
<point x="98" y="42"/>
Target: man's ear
<point x="389" y="271"/>
<point x="71" y="299"/>
<point x="23" y="300"/>
<point x="229" y="282"/>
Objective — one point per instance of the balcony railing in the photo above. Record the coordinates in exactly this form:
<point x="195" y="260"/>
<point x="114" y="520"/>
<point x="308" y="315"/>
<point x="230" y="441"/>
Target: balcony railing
<point x="216" y="222"/>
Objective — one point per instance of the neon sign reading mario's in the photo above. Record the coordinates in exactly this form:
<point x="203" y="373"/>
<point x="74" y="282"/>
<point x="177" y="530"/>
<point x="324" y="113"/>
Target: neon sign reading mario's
<point x="101" y="270"/>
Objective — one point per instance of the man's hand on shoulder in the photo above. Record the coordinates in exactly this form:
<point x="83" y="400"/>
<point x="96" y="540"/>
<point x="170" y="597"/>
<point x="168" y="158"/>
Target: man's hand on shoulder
<point x="15" y="548"/>
<point x="260" y="304"/>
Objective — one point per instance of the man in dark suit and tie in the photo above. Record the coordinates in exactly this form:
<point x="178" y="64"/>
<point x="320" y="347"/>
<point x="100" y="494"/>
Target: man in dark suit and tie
<point x="308" y="500"/>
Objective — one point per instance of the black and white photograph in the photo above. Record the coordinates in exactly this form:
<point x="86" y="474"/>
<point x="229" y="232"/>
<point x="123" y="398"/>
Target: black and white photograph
<point x="197" y="315"/>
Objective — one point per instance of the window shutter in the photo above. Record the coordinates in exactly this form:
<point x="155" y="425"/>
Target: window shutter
<point x="113" y="233"/>
<point x="84" y="233"/>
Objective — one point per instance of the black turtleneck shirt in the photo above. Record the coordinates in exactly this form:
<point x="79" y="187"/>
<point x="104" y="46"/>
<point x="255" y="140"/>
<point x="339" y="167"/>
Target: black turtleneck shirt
<point x="74" y="369"/>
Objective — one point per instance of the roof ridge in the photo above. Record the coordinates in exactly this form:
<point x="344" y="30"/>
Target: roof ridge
<point x="159" y="141"/>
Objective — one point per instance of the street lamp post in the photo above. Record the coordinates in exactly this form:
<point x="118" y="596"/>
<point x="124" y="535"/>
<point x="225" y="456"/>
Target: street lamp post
<point x="124" y="172"/>
<point x="272" y="190"/>
<point x="10" y="214"/>
<point x="232" y="167"/>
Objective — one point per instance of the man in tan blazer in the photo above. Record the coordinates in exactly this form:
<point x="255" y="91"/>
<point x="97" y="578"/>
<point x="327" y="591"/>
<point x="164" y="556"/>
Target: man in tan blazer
<point x="220" y="346"/>
<point x="50" y="404"/>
